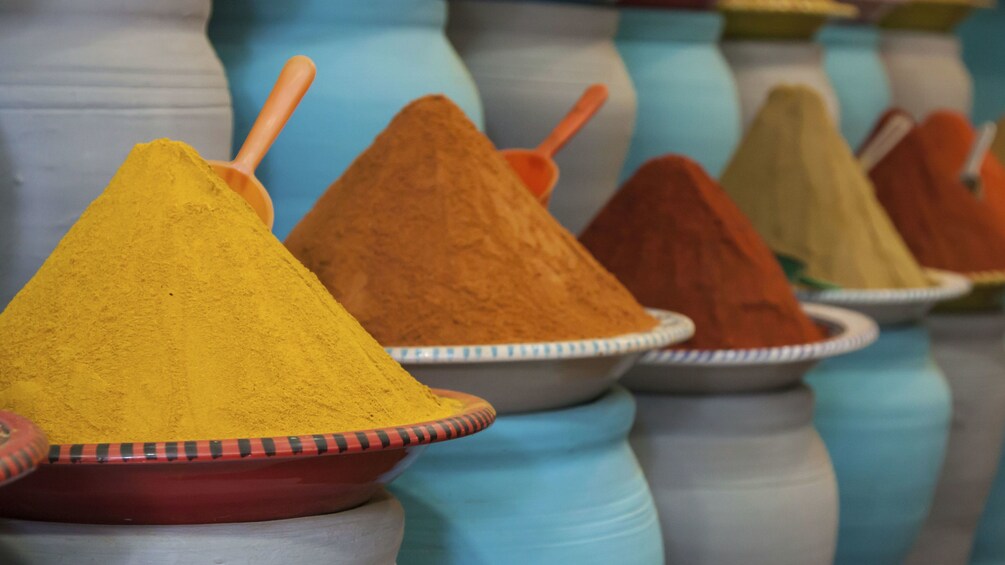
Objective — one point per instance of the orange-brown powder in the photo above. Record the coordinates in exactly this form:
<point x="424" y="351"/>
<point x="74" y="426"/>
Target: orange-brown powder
<point x="429" y="238"/>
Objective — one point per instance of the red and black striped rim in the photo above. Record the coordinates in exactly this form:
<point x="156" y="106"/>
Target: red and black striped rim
<point x="22" y="446"/>
<point x="474" y="416"/>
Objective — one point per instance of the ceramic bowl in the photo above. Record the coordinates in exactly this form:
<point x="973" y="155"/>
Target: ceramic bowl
<point x="528" y="377"/>
<point x="779" y="19"/>
<point x="717" y="371"/>
<point x="230" y="480"/>
<point x="894" y="306"/>
<point x="22" y="447"/>
<point x="986" y="291"/>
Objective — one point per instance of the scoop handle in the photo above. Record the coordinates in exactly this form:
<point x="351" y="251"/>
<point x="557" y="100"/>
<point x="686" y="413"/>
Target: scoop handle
<point x="293" y="82"/>
<point x="587" y="105"/>
<point x="979" y="150"/>
<point x="895" y="129"/>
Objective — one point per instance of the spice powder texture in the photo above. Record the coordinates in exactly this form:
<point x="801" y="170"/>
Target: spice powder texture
<point x="169" y="312"/>
<point x="945" y="224"/>
<point x="429" y="238"/>
<point x="677" y="241"/>
<point x="798" y="182"/>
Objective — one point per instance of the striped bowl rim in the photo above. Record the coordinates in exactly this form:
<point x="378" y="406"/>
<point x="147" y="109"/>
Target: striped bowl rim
<point x="22" y="446"/>
<point x="474" y="416"/>
<point x="850" y="331"/>
<point x="948" y="286"/>
<point x="986" y="278"/>
<point x="672" y="328"/>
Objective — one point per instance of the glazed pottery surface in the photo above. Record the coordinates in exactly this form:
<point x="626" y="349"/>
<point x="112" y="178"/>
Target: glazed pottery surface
<point x="687" y="99"/>
<point x="22" y="447"/>
<point x="970" y="348"/>
<point x="83" y="81"/>
<point x="528" y="377"/>
<point x="373" y="58"/>
<point x="926" y="72"/>
<point x="989" y="545"/>
<point x="221" y="481"/>
<point x="761" y="65"/>
<point x="855" y="70"/>
<point x="548" y="487"/>
<point x="983" y="44"/>
<point x="884" y="414"/>
<point x="531" y="61"/>
<point x="367" y="535"/>
<point x="753" y="488"/>
<point x="723" y="371"/>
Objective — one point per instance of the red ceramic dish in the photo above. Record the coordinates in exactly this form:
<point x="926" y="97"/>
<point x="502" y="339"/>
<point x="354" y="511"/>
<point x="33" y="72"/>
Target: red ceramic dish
<point x="22" y="447"/>
<point x="235" y="480"/>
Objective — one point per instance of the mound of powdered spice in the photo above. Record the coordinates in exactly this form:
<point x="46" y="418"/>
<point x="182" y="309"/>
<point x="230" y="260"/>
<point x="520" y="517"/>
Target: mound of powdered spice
<point x="945" y="224"/>
<point x="170" y="312"/>
<point x="429" y="238"/>
<point x="798" y="182"/>
<point x="674" y="238"/>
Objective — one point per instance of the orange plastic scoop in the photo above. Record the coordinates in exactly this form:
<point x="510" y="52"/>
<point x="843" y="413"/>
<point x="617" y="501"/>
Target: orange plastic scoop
<point x="536" y="167"/>
<point x="293" y="82"/>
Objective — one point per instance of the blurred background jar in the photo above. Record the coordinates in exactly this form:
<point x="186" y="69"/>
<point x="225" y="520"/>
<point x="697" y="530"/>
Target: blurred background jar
<point x="373" y="58"/>
<point x="531" y="61"/>
<point x="83" y="81"/>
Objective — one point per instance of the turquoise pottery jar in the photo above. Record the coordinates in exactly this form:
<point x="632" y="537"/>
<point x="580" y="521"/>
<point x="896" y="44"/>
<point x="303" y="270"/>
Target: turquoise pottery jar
<point x="687" y="98"/>
<point x="989" y="547"/>
<point x="550" y="487"/>
<point x="884" y="415"/>
<point x="983" y="44"/>
<point x="852" y="62"/>
<point x="373" y="58"/>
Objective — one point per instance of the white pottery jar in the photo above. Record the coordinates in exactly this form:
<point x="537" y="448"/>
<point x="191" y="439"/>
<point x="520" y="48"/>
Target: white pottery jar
<point x="750" y="464"/>
<point x="531" y="61"/>
<point x="368" y="535"/>
<point x="926" y="72"/>
<point x="761" y="65"/>
<point x="82" y="82"/>
<point x="970" y="348"/>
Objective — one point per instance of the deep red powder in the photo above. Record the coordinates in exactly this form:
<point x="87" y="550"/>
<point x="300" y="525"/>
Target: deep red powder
<point x="945" y="225"/>
<point x="677" y="241"/>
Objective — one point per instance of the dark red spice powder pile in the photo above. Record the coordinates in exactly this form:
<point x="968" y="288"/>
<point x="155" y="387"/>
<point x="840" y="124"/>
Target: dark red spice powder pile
<point x="677" y="241"/>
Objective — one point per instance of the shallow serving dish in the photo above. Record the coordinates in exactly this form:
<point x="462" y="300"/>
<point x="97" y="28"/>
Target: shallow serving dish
<point x="716" y="371"/>
<point x="894" y="306"/>
<point x="22" y="447"/>
<point x="230" y="480"/>
<point x="527" y="377"/>
<point x="987" y="289"/>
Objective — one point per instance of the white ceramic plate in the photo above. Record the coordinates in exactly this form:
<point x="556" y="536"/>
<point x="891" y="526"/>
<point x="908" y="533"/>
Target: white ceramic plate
<point x="527" y="377"/>
<point x="894" y="306"/>
<point x="716" y="371"/>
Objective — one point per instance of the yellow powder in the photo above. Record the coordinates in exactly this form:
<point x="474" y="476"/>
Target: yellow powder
<point x="797" y="180"/>
<point x="169" y="312"/>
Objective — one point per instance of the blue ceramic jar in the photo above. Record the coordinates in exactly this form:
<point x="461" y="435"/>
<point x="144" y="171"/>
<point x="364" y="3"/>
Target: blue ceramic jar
<point x="989" y="547"/>
<point x="549" y="487"/>
<point x="856" y="72"/>
<point x="687" y="99"/>
<point x="373" y="58"/>
<point x="884" y="415"/>
<point x="983" y="44"/>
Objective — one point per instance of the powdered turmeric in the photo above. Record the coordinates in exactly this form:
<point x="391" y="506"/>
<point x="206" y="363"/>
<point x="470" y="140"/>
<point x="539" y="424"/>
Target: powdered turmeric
<point x="169" y="312"/>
